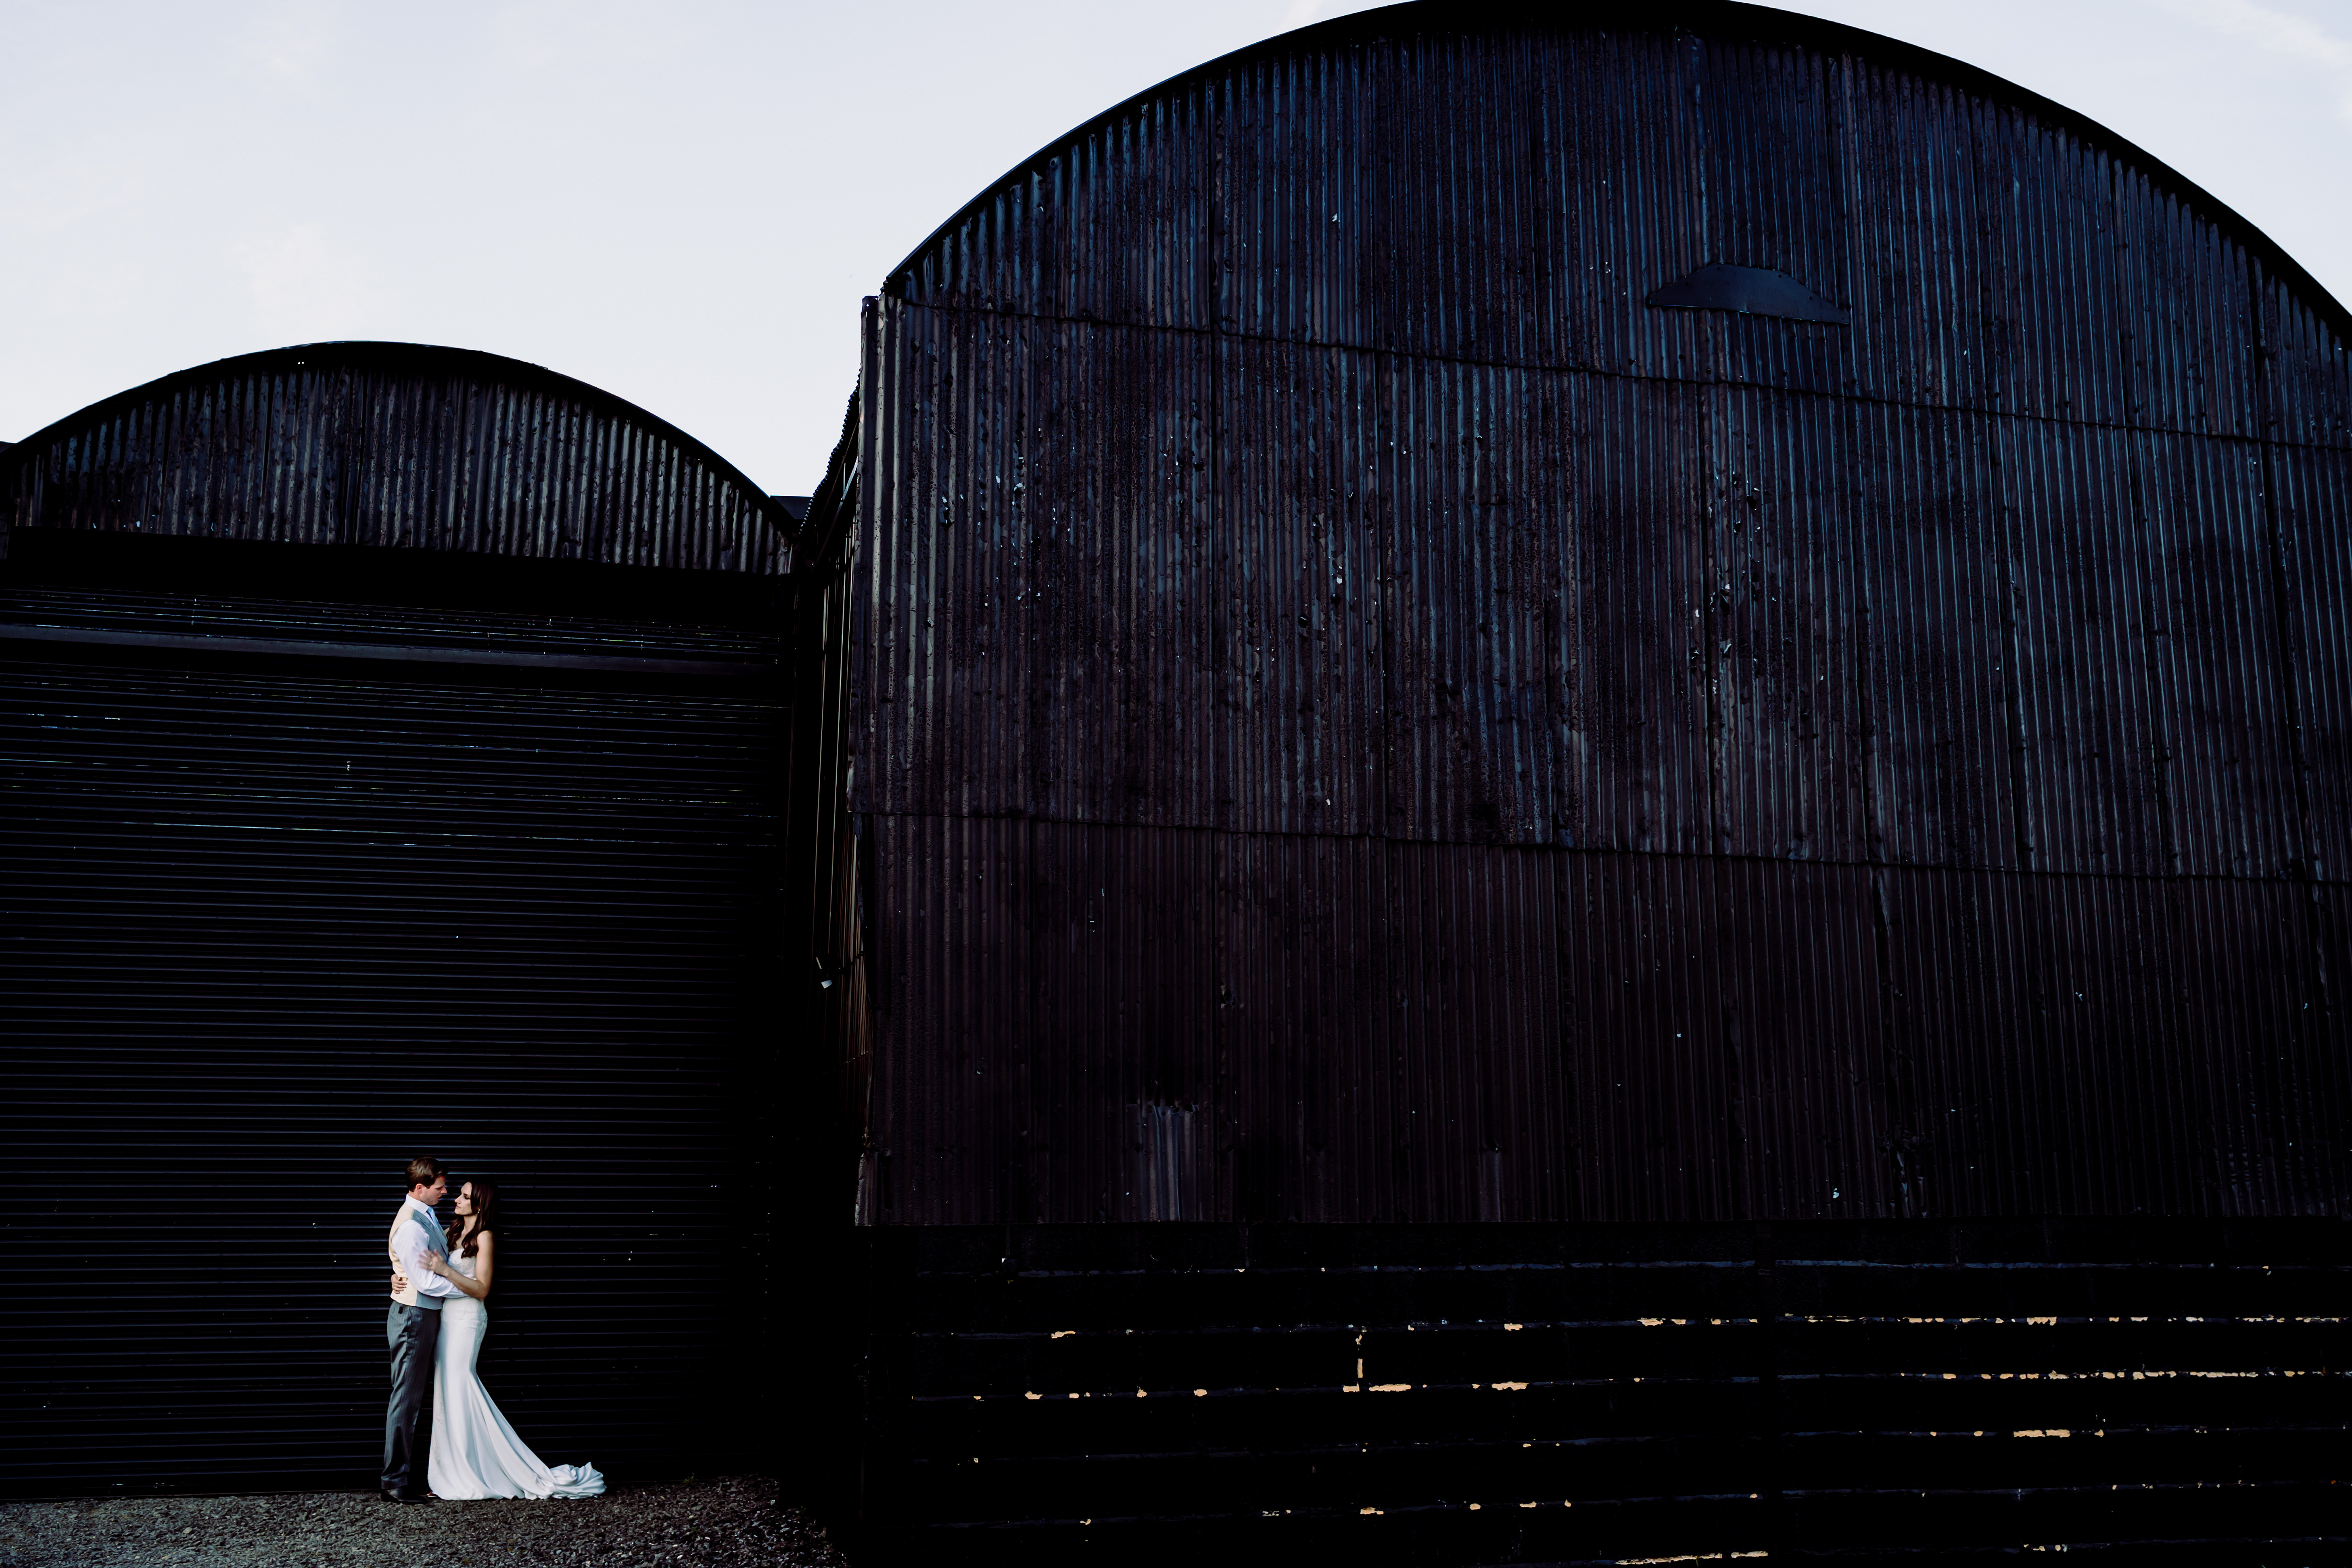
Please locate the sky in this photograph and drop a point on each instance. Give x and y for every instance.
(684, 203)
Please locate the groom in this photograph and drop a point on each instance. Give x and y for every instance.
(414, 1327)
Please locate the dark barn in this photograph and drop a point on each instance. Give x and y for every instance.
(1649, 707)
(392, 740)
(1537, 786)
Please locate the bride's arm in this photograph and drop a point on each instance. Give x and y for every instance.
(479, 1288)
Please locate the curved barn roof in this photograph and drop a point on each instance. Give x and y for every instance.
(408, 445)
(1123, 178)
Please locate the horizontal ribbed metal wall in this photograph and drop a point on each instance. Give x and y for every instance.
(363, 795)
(270, 932)
(401, 445)
(2152, 1391)
(1338, 665)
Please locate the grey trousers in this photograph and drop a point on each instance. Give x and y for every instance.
(413, 1331)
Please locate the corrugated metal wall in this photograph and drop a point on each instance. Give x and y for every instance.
(397, 444)
(270, 932)
(1339, 668)
(319, 855)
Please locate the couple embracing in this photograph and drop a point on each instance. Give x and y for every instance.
(441, 1276)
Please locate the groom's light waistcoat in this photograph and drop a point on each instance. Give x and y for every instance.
(423, 1290)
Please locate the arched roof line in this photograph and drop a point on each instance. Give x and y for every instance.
(1718, 18)
(427, 358)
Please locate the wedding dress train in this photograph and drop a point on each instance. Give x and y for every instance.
(475, 1454)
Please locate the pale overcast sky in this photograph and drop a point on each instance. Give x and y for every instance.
(684, 203)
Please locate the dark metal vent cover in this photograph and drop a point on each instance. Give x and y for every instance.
(1750, 291)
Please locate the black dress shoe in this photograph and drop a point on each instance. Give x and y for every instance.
(407, 1497)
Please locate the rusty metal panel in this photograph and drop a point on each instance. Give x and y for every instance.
(1654, 1098)
(1079, 1023)
(1802, 1019)
(1426, 225)
(2151, 722)
(400, 445)
(1388, 1030)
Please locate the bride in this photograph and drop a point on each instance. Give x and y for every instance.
(475, 1454)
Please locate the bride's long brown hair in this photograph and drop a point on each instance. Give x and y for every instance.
(485, 1217)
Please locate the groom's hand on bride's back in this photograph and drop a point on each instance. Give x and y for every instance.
(399, 1281)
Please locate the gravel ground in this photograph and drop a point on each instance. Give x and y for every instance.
(723, 1523)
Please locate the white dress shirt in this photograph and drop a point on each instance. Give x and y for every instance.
(415, 1232)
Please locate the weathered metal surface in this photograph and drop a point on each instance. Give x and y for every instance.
(1622, 744)
(395, 443)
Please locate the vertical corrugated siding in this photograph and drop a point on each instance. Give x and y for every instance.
(1785, 726)
(1081, 236)
(2189, 315)
(1774, 195)
(1304, 591)
(358, 446)
(2079, 588)
(2101, 1096)
(2313, 500)
(2305, 371)
(1363, 1029)
(1036, 983)
(1476, 994)
(2226, 747)
(1632, 664)
(1317, 1123)
(1615, 184)
(1722, 1020)
(1655, 762)
(1932, 666)
(1474, 498)
(1042, 576)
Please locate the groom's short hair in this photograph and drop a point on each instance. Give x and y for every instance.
(422, 1170)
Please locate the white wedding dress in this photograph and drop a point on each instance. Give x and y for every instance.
(475, 1454)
